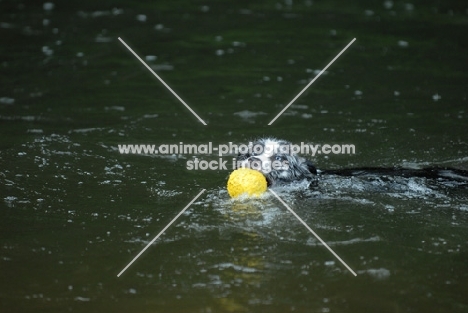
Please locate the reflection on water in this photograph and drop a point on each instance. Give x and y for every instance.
(74, 212)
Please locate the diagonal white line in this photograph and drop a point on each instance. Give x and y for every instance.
(162, 81)
(160, 233)
(312, 81)
(313, 233)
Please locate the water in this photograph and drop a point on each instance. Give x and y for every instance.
(74, 211)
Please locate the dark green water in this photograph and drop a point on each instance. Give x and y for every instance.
(74, 211)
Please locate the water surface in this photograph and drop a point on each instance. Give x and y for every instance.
(74, 211)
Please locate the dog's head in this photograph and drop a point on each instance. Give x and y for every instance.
(274, 159)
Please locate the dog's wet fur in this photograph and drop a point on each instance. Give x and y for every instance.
(293, 167)
(296, 168)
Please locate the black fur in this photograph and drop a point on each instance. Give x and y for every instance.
(299, 168)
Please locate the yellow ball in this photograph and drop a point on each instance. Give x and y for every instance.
(246, 180)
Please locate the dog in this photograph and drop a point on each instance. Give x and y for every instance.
(275, 160)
